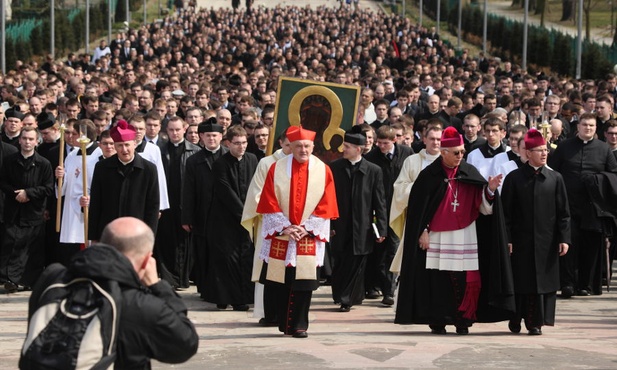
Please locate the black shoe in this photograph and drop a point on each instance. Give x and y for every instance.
(372, 294)
(438, 329)
(583, 293)
(267, 323)
(460, 330)
(515, 327)
(221, 306)
(10, 287)
(300, 334)
(535, 331)
(567, 292)
(387, 300)
(344, 308)
(240, 307)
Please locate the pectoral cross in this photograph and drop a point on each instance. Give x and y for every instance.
(455, 204)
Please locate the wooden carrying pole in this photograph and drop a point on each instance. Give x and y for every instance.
(60, 179)
(84, 177)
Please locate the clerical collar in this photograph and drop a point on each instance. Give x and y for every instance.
(213, 151)
(354, 162)
(22, 154)
(584, 141)
(534, 167)
(494, 147)
(125, 163)
(178, 144)
(471, 140)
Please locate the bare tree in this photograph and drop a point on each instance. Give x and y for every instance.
(588, 6)
(567, 10)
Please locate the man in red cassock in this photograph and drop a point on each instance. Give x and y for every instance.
(296, 226)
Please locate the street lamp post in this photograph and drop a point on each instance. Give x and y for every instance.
(485, 26)
(438, 15)
(52, 29)
(3, 36)
(460, 23)
(579, 40)
(525, 34)
(87, 26)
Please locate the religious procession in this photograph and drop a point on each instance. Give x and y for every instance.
(243, 154)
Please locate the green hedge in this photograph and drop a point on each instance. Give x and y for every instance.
(29, 38)
(545, 48)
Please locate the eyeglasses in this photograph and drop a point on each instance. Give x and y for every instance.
(457, 152)
(261, 135)
(611, 134)
(538, 150)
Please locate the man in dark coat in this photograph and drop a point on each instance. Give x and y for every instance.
(197, 194)
(172, 245)
(537, 217)
(26, 181)
(230, 249)
(576, 159)
(449, 275)
(154, 322)
(360, 198)
(122, 185)
(390, 157)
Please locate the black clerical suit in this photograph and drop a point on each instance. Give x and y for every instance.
(360, 197)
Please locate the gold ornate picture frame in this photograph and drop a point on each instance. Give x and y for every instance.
(327, 108)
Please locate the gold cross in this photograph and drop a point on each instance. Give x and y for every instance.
(306, 246)
(279, 249)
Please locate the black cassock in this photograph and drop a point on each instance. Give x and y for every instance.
(172, 247)
(119, 190)
(428, 296)
(359, 193)
(197, 192)
(230, 249)
(537, 218)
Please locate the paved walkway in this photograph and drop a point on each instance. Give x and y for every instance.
(585, 337)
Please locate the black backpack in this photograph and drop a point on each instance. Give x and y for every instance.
(74, 324)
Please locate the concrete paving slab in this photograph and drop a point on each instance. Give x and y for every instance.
(585, 337)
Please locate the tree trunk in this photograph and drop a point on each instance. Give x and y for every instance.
(587, 10)
(567, 10)
(540, 9)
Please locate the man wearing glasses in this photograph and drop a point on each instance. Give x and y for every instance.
(538, 223)
(449, 275)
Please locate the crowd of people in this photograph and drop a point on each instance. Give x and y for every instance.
(175, 116)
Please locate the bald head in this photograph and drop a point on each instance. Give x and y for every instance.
(130, 236)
